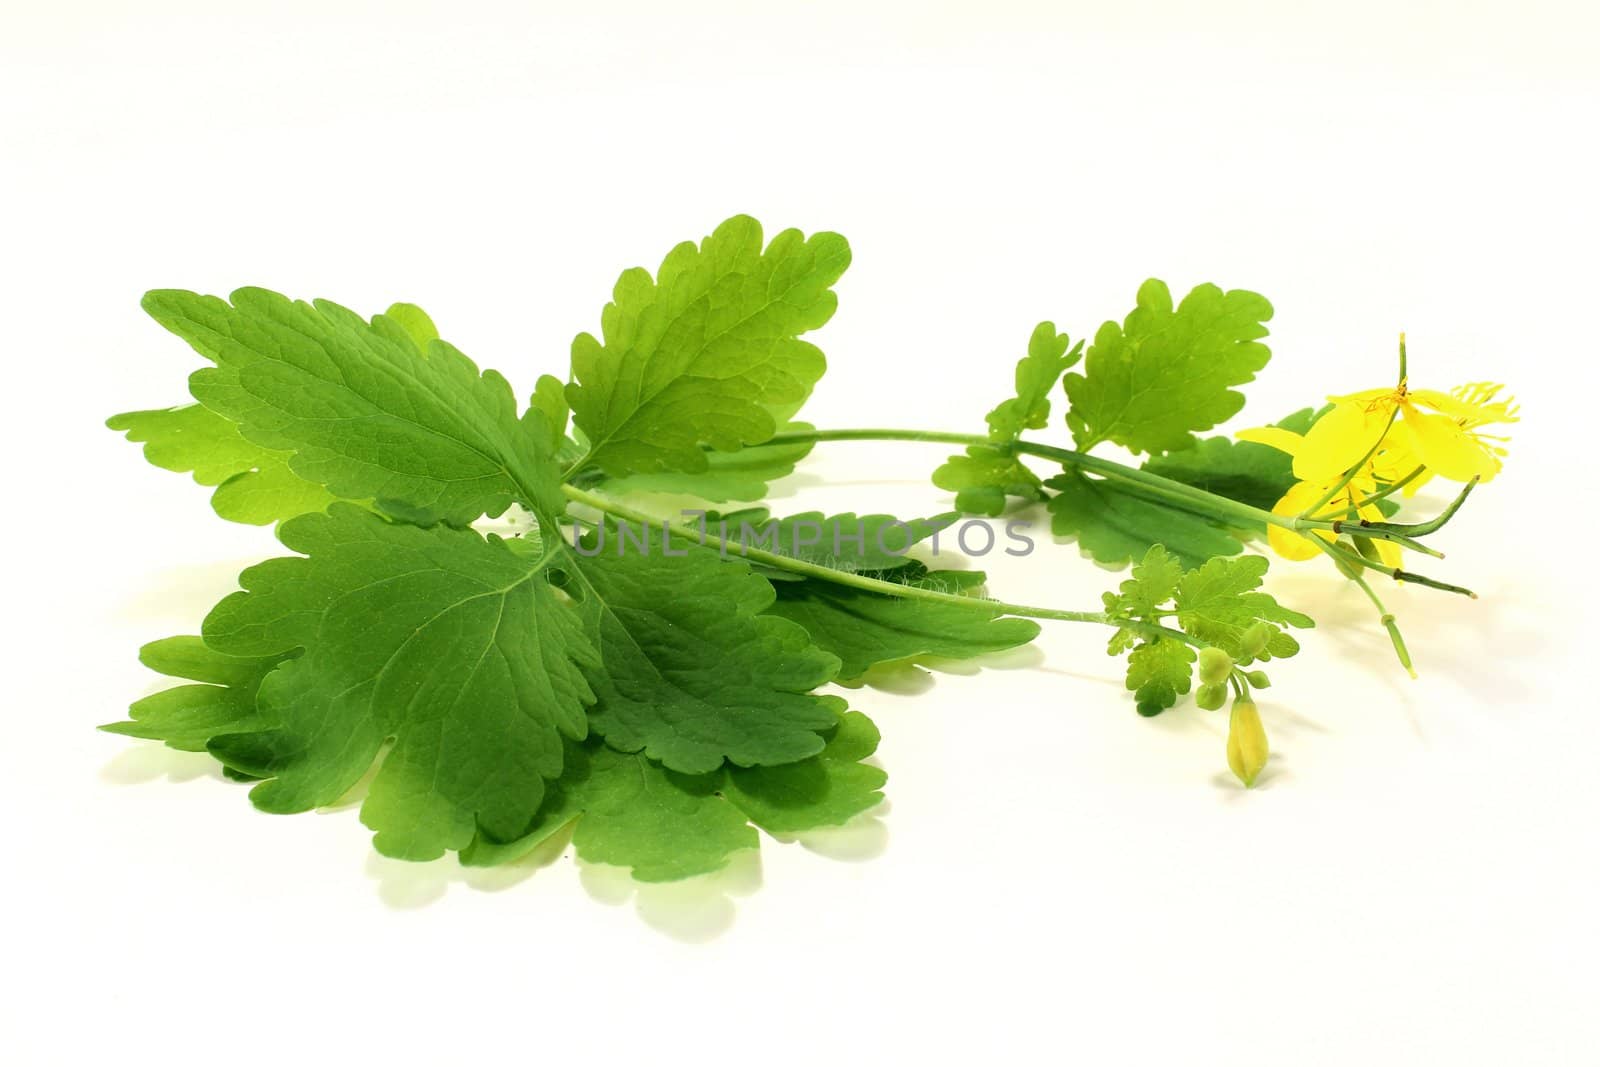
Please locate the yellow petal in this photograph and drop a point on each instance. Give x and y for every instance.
(1287, 543)
(1447, 449)
(1464, 411)
(1338, 441)
(1482, 395)
(1365, 398)
(1398, 458)
(1273, 437)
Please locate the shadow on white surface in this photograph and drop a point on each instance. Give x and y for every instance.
(912, 677)
(1111, 679)
(1272, 775)
(405, 884)
(865, 837)
(695, 910)
(185, 593)
(1285, 719)
(147, 761)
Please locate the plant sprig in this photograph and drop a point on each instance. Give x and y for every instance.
(664, 704)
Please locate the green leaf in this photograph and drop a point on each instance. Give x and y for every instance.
(1214, 604)
(1160, 667)
(254, 484)
(661, 825)
(1113, 526)
(1159, 672)
(1036, 376)
(864, 628)
(1165, 372)
(1153, 581)
(984, 478)
(1250, 473)
(694, 673)
(455, 648)
(742, 475)
(187, 716)
(1217, 603)
(829, 789)
(416, 325)
(550, 401)
(363, 411)
(631, 812)
(708, 351)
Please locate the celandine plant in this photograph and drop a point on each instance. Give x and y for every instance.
(664, 704)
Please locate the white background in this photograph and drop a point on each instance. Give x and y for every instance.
(1058, 879)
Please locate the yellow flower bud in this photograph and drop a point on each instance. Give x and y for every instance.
(1247, 742)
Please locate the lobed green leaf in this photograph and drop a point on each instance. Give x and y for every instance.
(706, 353)
(254, 485)
(692, 672)
(364, 411)
(1164, 372)
(631, 812)
(454, 647)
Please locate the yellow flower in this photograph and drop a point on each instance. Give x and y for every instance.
(1394, 434)
(1436, 431)
(1319, 472)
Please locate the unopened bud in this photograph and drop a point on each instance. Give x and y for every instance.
(1258, 679)
(1254, 639)
(1247, 742)
(1215, 666)
(1211, 697)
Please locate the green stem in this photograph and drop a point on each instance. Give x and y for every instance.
(1421, 529)
(1386, 618)
(860, 581)
(1164, 488)
(1153, 485)
(1357, 562)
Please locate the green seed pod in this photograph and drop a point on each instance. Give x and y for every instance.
(1215, 666)
(1211, 697)
(1254, 639)
(1259, 679)
(1247, 742)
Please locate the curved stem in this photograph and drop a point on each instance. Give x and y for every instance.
(861, 581)
(1422, 528)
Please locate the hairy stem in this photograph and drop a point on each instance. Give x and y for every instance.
(859, 581)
